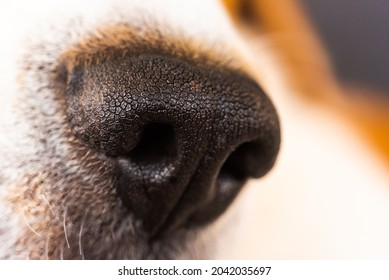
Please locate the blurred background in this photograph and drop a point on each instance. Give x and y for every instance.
(356, 34)
(328, 196)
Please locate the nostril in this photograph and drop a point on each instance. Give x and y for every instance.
(157, 143)
(247, 160)
(166, 155)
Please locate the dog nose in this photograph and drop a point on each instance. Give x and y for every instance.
(184, 136)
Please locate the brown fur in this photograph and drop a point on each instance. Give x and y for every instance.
(118, 41)
(60, 198)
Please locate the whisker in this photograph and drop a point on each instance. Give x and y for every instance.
(28, 225)
(48, 203)
(80, 240)
(64, 228)
(61, 251)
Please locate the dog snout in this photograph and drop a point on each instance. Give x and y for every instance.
(184, 137)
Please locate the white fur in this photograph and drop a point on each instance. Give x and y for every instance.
(328, 195)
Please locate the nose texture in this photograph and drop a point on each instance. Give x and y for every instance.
(184, 137)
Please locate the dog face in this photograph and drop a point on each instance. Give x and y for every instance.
(127, 129)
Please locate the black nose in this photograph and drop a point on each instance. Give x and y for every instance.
(185, 137)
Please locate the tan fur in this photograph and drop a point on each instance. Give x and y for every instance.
(118, 40)
(327, 196)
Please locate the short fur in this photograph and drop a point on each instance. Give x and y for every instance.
(326, 198)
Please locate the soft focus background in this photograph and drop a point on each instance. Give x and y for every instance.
(328, 195)
(356, 34)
